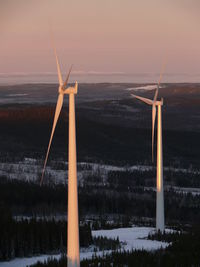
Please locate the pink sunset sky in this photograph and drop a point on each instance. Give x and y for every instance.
(100, 36)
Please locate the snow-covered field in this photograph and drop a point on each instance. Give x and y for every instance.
(130, 238)
(133, 238)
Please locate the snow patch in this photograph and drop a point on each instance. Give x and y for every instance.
(133, 238)
(16, 95)
(145, 88)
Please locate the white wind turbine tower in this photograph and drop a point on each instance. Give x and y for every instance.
(157, 105)
(73, 254)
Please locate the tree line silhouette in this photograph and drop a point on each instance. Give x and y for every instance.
(29, 199)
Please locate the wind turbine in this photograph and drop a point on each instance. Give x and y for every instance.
(73, 253)
(157, 105)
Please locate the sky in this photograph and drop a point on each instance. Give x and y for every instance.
(108, 39)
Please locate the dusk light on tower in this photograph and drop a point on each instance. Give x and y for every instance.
(73, 254)
(157, 105)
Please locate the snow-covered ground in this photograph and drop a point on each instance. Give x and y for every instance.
(30, 170)
(178, 190)
(144, 87)
(133, 238)
(23, 262)
(187, 190)
(130, 238)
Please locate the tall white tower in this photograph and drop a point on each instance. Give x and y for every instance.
(73, 254)
(157, 105)
(160, 221)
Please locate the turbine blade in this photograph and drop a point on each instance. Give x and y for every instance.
(153, 127)
(58, 69)
(145, 100)
(156, 95)
(56, 116)
(55, 52)
(66, 81)
(159, 81)
(161, 72)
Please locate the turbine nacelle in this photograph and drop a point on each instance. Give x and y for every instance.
(71, 89)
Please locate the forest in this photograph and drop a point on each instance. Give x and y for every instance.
(29, 237)
(39, 230)
(97, 140)
(29, 199)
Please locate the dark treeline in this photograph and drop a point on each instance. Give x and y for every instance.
(140, 203)
(183, 252)
(24, 132)
(27, 198)
(148, 178)
(103, 243)
(29, 237)
(26, 238)
(167, 236)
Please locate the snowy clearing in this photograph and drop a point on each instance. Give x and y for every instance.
(131, 239)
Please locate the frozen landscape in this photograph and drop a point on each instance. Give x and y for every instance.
(117, 180)
(134, 238)
(30, 170)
